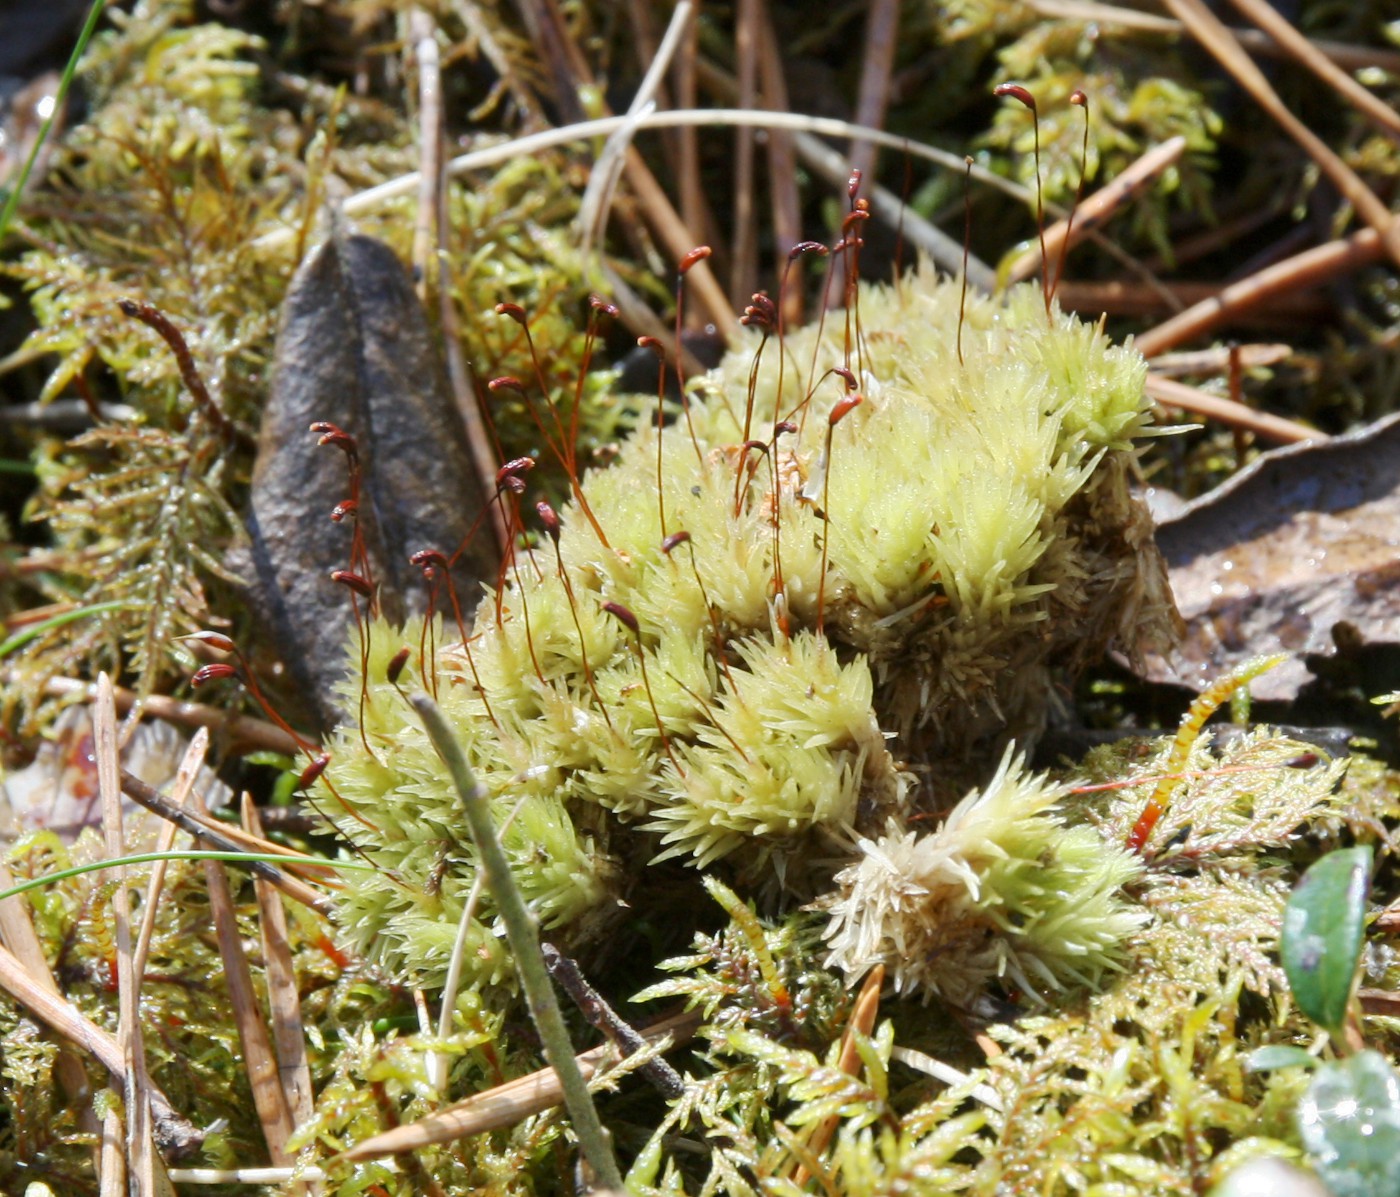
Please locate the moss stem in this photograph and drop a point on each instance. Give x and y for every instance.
(522, 933)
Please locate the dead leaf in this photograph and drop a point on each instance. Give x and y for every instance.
(1303, 539)
(355, 349)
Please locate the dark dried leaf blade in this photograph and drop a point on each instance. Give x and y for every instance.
(355, 348)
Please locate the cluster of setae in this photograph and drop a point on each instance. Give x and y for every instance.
(775, 640)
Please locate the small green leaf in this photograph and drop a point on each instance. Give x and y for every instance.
(1276, 1056)
(1322, 929)
(1350, 1124)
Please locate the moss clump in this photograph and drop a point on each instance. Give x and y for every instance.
(637, 696)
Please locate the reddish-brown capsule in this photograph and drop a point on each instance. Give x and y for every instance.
(514, 468)
(549, 520)
(1078, 99)
(330, 434)
(698, 254)
(208, 673)
(653, 344)
(599, 304)
(675, 540)
(506, 382)
(783, 428)
(843, 407)
(400, 659)
(356, 583)
(846, 376)
(853, 184)
(513, 310)
(428, 559)
(761, 312)
(624, 615)
(341, 510)
(308, 776)
(807, 247)
(215, 640)
(1016, 92)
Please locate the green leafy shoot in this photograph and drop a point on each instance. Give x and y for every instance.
(1323, 925)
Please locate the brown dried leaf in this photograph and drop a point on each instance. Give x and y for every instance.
(1303, 539)
(355, 349)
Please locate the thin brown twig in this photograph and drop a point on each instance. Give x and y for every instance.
(1368, 103)
(1098, 208)
(244, 733)
(1213, 34)
(565, 65)
(1236, 415)
(1117, 297)
(1290, 276)
(221, 841)
(695, 207)
(431, 233)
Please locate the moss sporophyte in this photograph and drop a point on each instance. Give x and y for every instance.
(774, 641)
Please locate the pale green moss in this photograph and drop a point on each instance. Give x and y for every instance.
(976, 531)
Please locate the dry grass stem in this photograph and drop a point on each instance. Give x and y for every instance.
(112, 1168)
(137, 1082)
(1348, 57)
(947, 1074)
(173, 1132)
(782, 171)
(283, 999)
(273, 1111)
(507, 1104)
(185, 776)
(372, 198)
(1236, 415)
(876, 72)
(1212, 33)
(422, 34)
(1194, 363)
